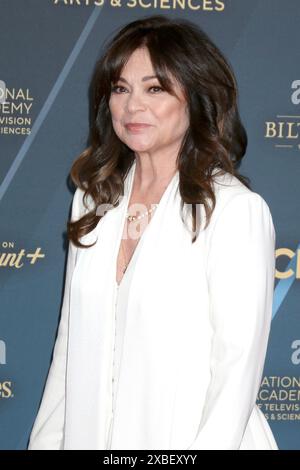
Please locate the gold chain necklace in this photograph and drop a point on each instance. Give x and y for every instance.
(143, 214)
(132, 218)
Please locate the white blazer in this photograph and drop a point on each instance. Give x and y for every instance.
(197, 328)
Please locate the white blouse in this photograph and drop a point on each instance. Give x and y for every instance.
(121, 300)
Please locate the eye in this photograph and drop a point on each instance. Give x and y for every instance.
(117, 88)
(157, 87)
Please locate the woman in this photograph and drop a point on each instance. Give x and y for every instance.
(164, 325)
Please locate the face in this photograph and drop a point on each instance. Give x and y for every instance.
(141, 100)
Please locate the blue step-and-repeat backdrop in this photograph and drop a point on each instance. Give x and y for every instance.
(48, 49)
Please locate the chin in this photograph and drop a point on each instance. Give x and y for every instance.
(139, 147)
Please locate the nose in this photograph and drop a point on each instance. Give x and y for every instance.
(135, 101)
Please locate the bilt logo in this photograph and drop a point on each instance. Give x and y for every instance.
(285, 128)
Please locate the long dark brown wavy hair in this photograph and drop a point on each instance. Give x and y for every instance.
(215, 138)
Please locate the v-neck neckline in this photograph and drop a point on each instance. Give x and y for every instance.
(130, 261)
(128, 196)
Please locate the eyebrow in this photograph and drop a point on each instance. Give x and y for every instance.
(147, 77)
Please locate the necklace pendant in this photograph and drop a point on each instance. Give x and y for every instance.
(131, 218)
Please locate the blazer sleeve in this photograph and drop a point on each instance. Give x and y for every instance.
(47, 431)
(241, 273)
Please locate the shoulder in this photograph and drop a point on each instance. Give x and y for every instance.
(233, 196)
(239, 211)
(241, 229)
(81, 205)
(227, 187)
